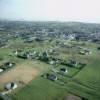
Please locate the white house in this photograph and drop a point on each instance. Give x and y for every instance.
(1, 70)
(63, 70)
(11, 86)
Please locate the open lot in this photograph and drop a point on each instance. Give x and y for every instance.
(21, 73)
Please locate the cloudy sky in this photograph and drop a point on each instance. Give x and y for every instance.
(52, 10)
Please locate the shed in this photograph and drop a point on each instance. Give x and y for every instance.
(9, 64)
(1, 70)
(52, 62)
(64, 70)
(73, 63)
(52, 77)
(10, 86)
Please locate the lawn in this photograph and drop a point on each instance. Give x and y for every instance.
(87, 82)
(41, 89)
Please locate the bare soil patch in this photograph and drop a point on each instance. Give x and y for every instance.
(73, 97)
(21, 73)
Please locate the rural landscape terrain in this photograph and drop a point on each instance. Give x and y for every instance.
(49, 60)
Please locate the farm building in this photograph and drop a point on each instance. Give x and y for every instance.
(44, 57)
(85, 52)
(16, 52)
(50, 50)
(52, 77)
(22, 55)
(45, 54)
(11, 86)
(82, 52)
(7, 65)
(1, 70)
(52, 62)
(72, 63)
(63, 70)
(88, 51)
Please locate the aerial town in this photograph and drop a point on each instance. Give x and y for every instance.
(49, 60)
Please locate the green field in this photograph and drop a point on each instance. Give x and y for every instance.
(84, 83)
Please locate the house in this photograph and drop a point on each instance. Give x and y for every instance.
(31, 54)
(11, 86)
(1, 70)
(72, 63)
(85, 52)
(51, 77)
(82, 52)
(50, 50)
(71, 37)
(22, 56)
(9, 64)
(44, 57)
(28, 40)
(63, 70)
(52, 62)
(45, 54)
(35, 54)
(16, 52)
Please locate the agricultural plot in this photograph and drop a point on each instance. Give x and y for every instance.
(52, 76)
(21, 74)
(87, 80)
(41, 89)
(70, 72)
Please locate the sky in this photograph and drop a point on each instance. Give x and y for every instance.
(51, 10)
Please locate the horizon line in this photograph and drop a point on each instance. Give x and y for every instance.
(59, 21)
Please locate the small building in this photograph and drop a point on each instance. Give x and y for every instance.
(85, 52)
(1, 70)
(82, 52)
(72, 63)
(16, 52)
(71, 37)
(52, 77)
(63, 70)
(9, 64)
(51, 51)
(44, 57)
(52, 62)
(11, 86)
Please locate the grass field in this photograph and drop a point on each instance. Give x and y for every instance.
(87, 82)
(41, 89)
(84, 83)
